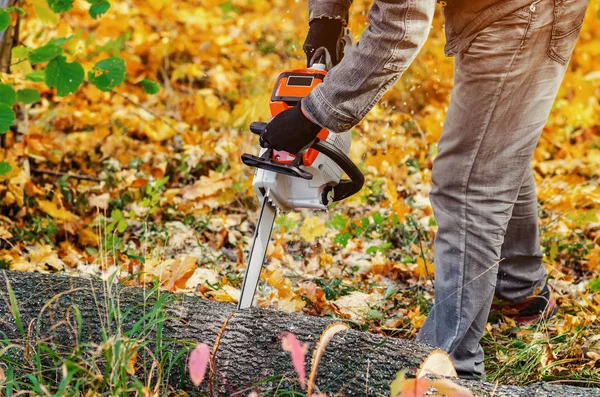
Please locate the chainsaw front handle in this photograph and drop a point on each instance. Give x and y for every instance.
(346, 187)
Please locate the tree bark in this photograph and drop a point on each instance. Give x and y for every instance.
(249, 351)
(8, 39)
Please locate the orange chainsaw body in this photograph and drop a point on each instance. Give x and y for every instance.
(291, 86)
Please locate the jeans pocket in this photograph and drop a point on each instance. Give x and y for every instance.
(568, 19)
(505, 36)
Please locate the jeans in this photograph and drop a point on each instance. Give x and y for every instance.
(483, 194)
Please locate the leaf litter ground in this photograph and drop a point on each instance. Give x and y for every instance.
(152, 185)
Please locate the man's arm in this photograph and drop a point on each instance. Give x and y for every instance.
(397, 30)
(334, 9)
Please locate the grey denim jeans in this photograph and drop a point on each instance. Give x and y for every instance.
(483, 194)
(508, 68)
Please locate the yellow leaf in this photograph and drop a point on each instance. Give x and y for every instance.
(291, 305)
(416, 318)
(51, 209)
(356, 305)
(312, 228)
(159, 131)
(424, 269)
(207, 186)
(222, 295)
(44, 13)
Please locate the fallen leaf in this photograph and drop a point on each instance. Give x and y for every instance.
(99, 201)
(414, 387)
(180, 271)
(51, 209)
(297, 351)
(312, 228)
(198, 362)
(449, 388)
(356, 305)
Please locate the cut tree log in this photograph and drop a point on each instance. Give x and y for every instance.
(249, 354)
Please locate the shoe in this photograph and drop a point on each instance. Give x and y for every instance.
(539, 307)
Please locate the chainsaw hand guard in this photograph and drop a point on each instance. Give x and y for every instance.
(345, 188)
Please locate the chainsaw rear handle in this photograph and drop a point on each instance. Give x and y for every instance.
(346, 187)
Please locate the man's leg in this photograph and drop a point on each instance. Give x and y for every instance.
(505, 85)
(522, 273)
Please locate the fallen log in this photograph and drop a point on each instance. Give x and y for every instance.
(246, 345)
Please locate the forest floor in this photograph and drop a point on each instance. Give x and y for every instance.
(152, 186)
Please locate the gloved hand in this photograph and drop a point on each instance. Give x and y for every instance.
(289, 131)
(323, 32)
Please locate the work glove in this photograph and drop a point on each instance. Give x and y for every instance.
(324, 32)
(290, 131)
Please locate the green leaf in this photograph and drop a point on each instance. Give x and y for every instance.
(60, 5)
(108, 73)
(150, 87)
(116, 215)
(594, 285)
(122, 225)
(390, 291)
(4, 20)
(39, 76)
(378, 248)
(378, 218)
(5, 168)
(20, 52)
(373, 314)
(66, 77)
(7, 117)
(287, 222)
(45, 53)
(342, 239)
(396, 385)
(98, 8)
(59, 41)
(338, 221)
(28, 95)
(7, 94)
(228, 7)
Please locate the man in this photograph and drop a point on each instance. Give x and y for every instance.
(510, 58)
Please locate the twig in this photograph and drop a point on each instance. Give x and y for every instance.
(59, 173)
(580, 381)
(416, 225)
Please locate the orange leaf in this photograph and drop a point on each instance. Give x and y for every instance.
(181, 270)
(414, 387)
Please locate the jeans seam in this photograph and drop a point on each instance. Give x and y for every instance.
(407, 20)
(466, 189)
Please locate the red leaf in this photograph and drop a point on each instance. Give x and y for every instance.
(198, 362)
(290, 344)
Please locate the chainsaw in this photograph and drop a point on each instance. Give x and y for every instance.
(283, 182)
